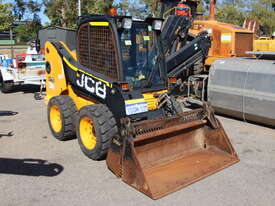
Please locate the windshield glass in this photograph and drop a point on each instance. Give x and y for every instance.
(139, 56)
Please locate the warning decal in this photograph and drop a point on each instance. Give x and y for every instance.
(226, 38)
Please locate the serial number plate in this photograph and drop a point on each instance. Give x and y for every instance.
(136, 108)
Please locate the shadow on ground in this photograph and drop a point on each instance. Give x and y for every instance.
(24, 88)
(8, 113)
(9, 134)
(29, 167)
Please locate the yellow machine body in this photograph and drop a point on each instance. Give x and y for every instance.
(157, 150)
(264, 44)
(56, 82)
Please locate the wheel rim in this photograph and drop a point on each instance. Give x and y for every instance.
(55, 118)
(87, 133)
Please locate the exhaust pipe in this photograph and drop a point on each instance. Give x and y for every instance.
(212, 10)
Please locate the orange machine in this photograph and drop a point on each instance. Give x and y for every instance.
(228, 40)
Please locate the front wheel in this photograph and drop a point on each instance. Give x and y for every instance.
(95, 128)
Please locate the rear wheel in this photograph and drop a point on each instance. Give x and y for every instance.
(1, 78)
(61, 117)
(95, 128)
(7, 87)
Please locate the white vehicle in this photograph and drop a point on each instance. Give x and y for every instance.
(24, 69)
(2, 57)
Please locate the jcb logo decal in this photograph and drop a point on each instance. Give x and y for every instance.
(91, 85)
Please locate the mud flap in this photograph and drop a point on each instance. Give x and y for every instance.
(160, 156)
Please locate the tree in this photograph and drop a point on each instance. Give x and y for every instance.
(235, 12)
(23, 34)
(34, 7)
(234, 3)
(19, 9)
(148, 6)
(61, 13)
(64, 12)
(5, 15)
(138, 9)
(123, 7)
(203, 6)
(263, 11)
(27, 31)
(30, 8)
(230, 14)
(97, 6)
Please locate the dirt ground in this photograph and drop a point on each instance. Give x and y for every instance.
(36, 169)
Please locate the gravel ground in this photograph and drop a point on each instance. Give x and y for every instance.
(36, 169)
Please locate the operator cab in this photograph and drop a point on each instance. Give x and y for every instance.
(138, 57)
(123, 49)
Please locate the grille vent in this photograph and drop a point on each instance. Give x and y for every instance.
(97, 50)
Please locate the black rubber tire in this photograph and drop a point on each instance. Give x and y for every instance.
(68, 112)
(1, 78)
(7, 87)
(105, 128)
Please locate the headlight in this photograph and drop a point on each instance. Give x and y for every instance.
(127, 23)
(157, 24)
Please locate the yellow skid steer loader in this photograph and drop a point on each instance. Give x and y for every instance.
(108, 93)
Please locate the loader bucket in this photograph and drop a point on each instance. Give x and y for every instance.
(167, 154)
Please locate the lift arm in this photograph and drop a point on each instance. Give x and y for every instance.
(187, 56)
